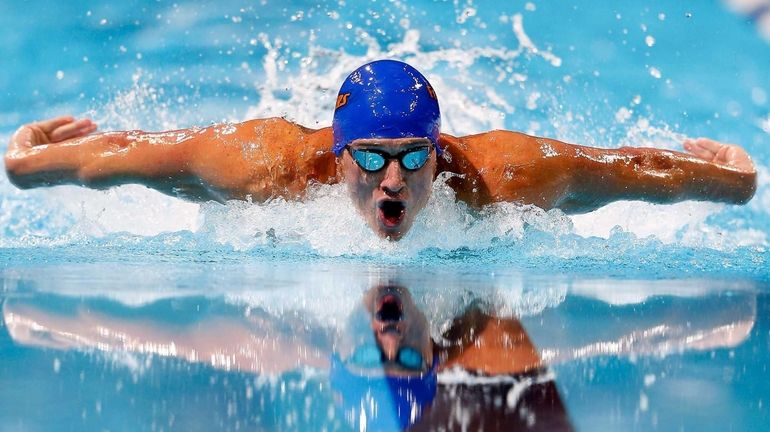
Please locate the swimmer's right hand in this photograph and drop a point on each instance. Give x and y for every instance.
(29, 140)
(51, 131)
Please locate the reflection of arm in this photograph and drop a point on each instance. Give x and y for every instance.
(257, 343)
(489, 345)
(582, 328)
(261, 158)
(510, 166)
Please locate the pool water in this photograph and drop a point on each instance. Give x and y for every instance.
(645, 317)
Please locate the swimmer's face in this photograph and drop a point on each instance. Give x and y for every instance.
(399, 330)
(390, 198)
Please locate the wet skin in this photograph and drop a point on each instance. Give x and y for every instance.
(389, 199)
(263, 159)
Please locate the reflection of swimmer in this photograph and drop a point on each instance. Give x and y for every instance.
(388, 371)
(385, 144)
(385, 370)
(481, 372)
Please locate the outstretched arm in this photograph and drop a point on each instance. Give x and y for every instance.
(509, 166)
(258, 158)
(224, 337)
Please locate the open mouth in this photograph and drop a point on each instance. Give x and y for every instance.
(391, 212)
(389, 309)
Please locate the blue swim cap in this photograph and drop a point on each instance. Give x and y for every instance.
(385, 99)
(385, 403)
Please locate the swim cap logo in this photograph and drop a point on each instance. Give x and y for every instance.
(431, 93)
(342, 100)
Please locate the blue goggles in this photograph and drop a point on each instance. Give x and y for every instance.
(371, 356)
(371, 160)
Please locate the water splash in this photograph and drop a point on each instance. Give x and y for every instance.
(302, 89)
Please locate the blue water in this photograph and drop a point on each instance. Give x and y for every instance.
(694, 276)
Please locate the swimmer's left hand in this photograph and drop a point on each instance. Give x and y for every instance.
(724, 154)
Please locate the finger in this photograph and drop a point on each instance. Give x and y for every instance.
(22, 138)
(695, 148)
(50, 125)
(722, 155)
(709, 144)
(72, 130)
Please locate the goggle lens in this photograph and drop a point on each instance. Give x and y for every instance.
(374, 160)
(415, 160)
(368, 160)
(370, 357)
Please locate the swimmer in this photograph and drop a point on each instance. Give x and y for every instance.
(385, 144)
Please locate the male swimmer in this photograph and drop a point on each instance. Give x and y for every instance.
(385, 145)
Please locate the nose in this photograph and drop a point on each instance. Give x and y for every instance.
(389, 343)
(393, 182)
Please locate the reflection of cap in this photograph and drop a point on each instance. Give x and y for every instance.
(382, 402)
(385, 99)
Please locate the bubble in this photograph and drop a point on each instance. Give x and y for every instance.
(468, 12)
(758, 96)
(655, 72)
(623, 114)
(59, 74)
(649, 40)
(649, 380)
(644, 402)
(532, 100)
(734, 108)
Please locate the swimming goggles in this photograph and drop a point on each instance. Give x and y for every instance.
(374, 160)
(371, 356)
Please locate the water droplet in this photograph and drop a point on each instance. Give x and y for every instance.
(758, 96)
(649, 40)
(465, 14)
